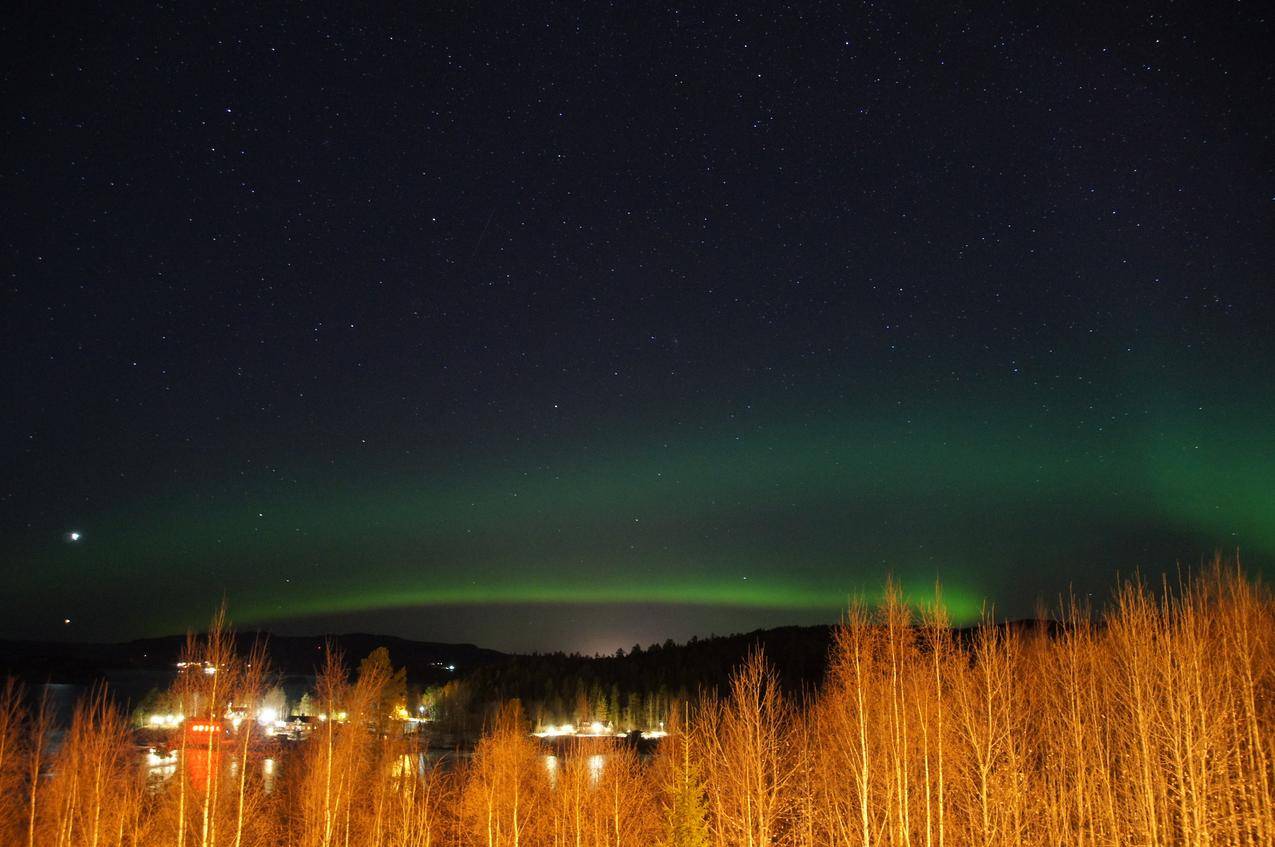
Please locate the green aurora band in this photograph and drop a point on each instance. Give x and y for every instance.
(1000, 510)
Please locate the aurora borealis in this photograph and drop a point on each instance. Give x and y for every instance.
(545, 331)
(779, 524)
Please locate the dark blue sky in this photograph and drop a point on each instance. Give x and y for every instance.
(578, 325)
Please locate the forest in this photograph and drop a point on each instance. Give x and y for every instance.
(629, 691)
(1150, 720)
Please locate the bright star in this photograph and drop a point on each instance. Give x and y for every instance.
(73, 536)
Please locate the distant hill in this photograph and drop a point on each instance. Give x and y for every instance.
(59, 661)
(553, 686)
(636, 687)
(799, 655)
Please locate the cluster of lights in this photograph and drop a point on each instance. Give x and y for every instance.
(553, 731)
(597, 729)
(268, 717)
(271, 721)
(165, 721)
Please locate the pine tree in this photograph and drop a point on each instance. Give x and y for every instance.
(686, 825)
(687, 822)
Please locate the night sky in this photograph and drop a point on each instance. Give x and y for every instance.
(574, 326)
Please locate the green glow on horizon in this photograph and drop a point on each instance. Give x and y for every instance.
(962, 606)
(1005, 508)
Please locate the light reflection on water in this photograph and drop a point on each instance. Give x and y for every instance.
(596, 763)
(161, 767)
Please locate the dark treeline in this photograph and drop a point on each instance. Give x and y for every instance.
(634, 690)
(631, 690)
(459, 685)
(86, 663)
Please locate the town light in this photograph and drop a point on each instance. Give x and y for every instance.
(165, 721)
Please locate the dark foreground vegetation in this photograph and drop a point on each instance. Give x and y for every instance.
(1150, 723)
